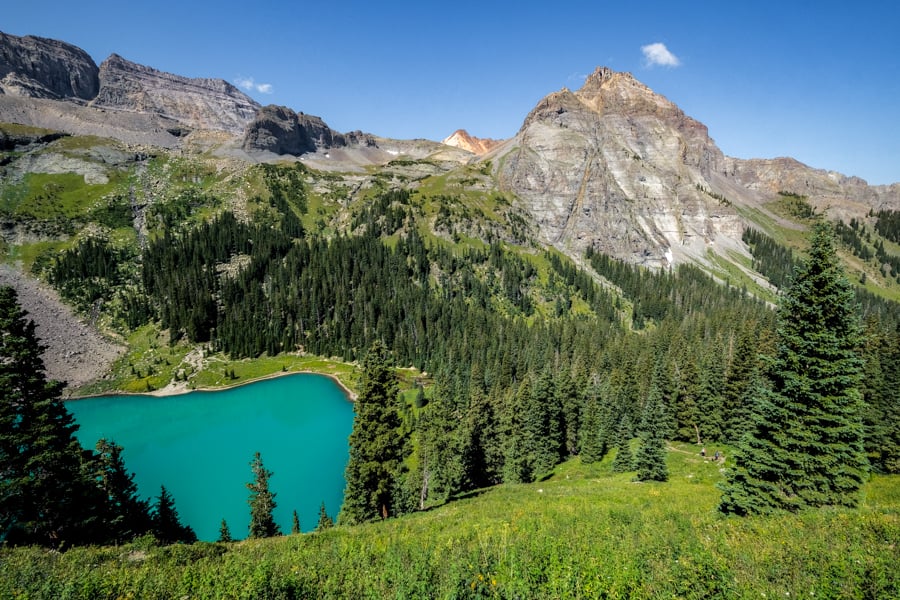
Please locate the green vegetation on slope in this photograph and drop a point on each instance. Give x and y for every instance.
(584, 533)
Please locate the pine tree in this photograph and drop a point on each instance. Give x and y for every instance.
(518, 456)
(45, 496)
(805, 446)
(224, 532)
(624, 460)
(741, 371)
(167, 526)
(295, 523)
(650, 460)
(261, 501)
(126, 514)
(325, 521)
(709, 402)
(591, 427)
(375, 443)
(570, 401)
(441, 442)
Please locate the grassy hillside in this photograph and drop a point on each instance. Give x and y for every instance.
(582, 533)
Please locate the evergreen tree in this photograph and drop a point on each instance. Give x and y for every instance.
(126, 514)
(805, 446)
(224, 532)
(483, 456)
(325, 521)
(295, 523)
(46, 497)
(712, 379)
(650, 460)
(741, 371)
(591, 427)
(517, 448)
(624, 460)
(544, 425)
(570, 401)
(261, 501)
(442, 443)
(167, 527)
(375, 443)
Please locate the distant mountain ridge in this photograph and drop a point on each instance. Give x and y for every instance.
(48, 69)
(201, 103)
(461, 139)
(612, 166)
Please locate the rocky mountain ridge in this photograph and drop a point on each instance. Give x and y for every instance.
(461, 139)
(619, 168)
(199, 103)
(280, 130)
(38, 67)
(612, 165)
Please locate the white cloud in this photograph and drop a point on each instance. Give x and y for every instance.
(658, 54)
(247, 83)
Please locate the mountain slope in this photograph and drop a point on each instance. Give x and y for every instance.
(619, 168)
(616, 167)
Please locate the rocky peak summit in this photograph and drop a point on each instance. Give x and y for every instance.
(619, 168)
(462, 140)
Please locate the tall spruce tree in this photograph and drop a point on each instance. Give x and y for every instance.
(325, 521)
(261, 501)
(167, 526)
(126, 515)
(650, 459)
(624, 460)
(46, 496)
(591, 445)
(224, 532)
(805, 445)
(376, 445)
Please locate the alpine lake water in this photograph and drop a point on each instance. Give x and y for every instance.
(200, 444)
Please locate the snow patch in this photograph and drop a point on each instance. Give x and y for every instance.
(669, 256)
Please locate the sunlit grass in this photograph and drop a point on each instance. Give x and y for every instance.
(583, 533)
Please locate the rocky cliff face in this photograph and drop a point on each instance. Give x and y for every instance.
(199, 103)
(40, 68)
(827, 190)
(619, 168)
(461, 139)
(280, 130)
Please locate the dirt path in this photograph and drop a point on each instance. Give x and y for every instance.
(76, 352)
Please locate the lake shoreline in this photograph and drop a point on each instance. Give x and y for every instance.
(181, 388)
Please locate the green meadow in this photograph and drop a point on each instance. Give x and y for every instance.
(584, 532)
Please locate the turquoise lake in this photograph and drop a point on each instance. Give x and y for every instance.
(199, 445)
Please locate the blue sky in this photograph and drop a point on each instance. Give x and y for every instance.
(818, 81)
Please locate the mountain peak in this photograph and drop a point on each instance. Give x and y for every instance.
(461, 139)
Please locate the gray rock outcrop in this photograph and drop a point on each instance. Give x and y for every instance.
(200, 103)
(280, 130)
(619, 168)
(37, 67)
